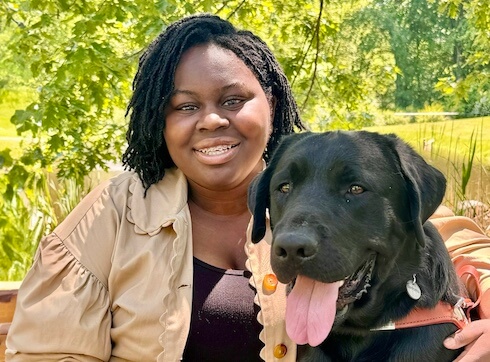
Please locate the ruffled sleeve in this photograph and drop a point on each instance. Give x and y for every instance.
(63, 306)
(467, 245)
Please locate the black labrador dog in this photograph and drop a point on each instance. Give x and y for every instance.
(348, 213)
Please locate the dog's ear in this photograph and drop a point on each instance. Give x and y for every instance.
(258, 203)
(426, 186)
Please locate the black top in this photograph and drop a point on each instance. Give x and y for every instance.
(224, 324)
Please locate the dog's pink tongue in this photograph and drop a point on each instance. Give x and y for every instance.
(310, 310)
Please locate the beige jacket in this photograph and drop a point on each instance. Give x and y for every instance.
(114, 280)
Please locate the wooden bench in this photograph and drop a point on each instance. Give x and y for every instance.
(8, 298)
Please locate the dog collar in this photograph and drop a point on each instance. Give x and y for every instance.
(442, 313)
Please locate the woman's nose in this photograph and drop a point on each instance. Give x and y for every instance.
(212, 120)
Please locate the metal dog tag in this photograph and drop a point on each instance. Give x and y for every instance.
(413, 289)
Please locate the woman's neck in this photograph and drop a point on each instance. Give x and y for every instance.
(219, 224)
(220, 203)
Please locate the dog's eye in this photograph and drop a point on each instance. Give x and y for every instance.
(356, 190)
(285, 188)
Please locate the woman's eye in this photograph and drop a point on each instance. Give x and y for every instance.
(187, 107)
(356, 190)
(232, 102)
(285, 188)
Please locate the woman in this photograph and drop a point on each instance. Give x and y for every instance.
(156, 264)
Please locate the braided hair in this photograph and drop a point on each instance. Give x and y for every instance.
(147, 152)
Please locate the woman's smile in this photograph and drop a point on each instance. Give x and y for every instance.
(215, 151)
(216, 155)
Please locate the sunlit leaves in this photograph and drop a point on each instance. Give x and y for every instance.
(470, 91)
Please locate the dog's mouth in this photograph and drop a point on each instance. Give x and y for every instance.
(313, 307)
(355, 285)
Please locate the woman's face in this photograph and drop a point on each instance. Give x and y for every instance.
(218, 120)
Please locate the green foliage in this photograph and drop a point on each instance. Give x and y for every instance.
(21, 227)
(471, 90)
(387, 118)
(25, 216)
(29, 213)
(422, 41)
(81, 82)
(432, 108)
(467, 166)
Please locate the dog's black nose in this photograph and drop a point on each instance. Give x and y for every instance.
(294, 247)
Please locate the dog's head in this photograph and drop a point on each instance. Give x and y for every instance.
(342, 206)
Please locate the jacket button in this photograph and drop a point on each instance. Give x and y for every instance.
(280, 351)
(269, 284)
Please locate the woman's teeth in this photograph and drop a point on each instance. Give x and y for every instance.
(218, 150)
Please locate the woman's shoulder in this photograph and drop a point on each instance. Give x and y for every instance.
(97, 202)
(124, 198)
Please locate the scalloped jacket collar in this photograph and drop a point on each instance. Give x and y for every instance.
(163, 201)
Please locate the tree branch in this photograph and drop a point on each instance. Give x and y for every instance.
(317, 53)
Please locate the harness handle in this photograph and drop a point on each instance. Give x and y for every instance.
(471, 273)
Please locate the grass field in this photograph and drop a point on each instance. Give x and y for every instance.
(449, 151)
(451, 139)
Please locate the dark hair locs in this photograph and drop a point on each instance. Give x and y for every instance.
(147, 152)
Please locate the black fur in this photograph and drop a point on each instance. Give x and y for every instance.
(329, 228)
